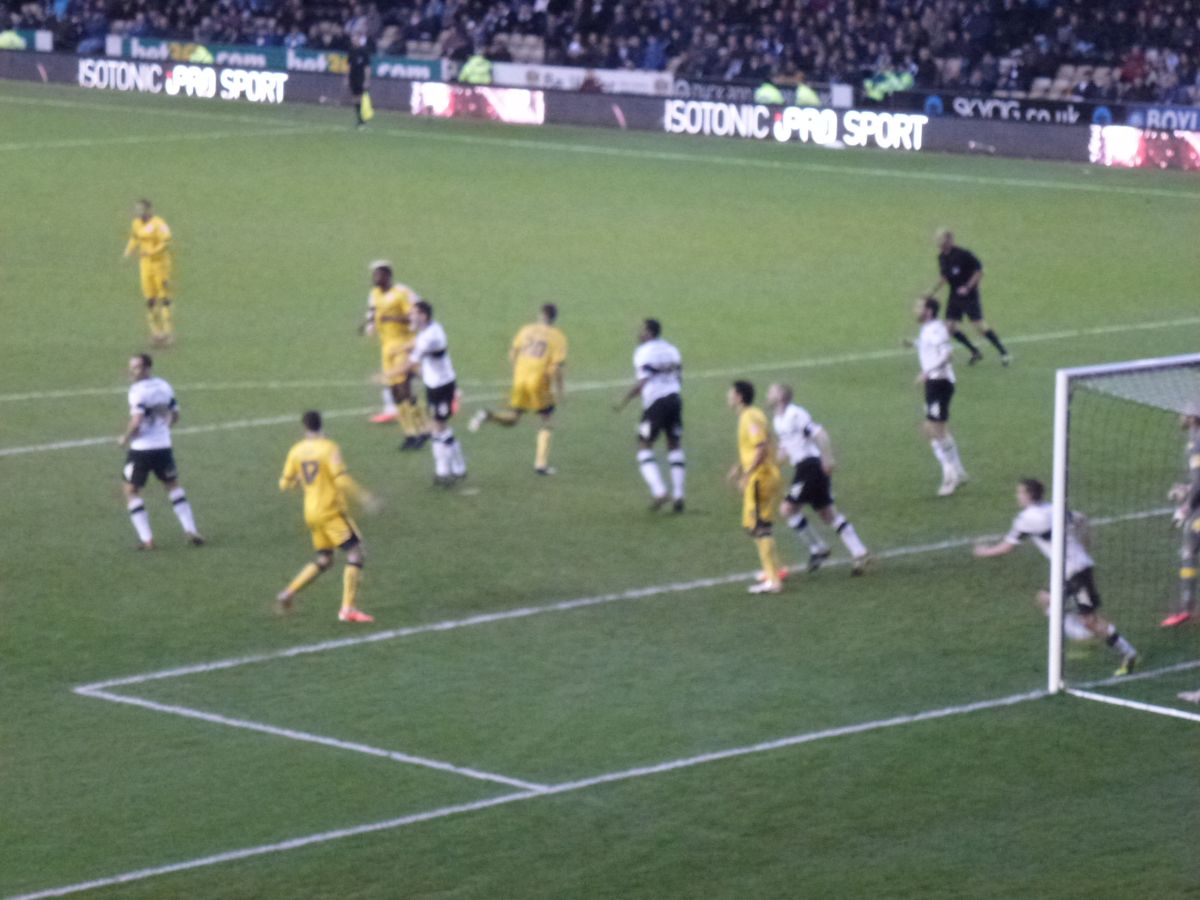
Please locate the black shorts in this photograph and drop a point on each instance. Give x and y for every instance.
(140, 463)
(440, 401)
(357, 85)
(958, 306)
(938, 394)
(663, 416)
(1080, 590)
(811, 485)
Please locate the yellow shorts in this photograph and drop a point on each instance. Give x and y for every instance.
(760, 499)
(393, 361)
(156, 278)
(531, 396)
(334, 533)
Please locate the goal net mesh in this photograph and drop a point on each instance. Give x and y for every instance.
(1125, 450)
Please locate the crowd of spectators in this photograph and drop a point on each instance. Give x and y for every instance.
(1149, 50)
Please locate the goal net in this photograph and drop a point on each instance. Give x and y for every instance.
(1118, 449)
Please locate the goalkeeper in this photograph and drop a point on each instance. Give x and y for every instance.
(1187, 517)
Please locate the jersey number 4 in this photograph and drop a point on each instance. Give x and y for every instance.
(310, 470)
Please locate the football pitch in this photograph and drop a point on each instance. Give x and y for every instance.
(565, 695)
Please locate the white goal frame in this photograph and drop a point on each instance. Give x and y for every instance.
(1063, 381)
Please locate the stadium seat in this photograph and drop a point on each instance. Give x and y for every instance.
(1040, 88)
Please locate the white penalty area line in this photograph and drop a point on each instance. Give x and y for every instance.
(814, 362)
(524, 612)
(99, 690)
(580, 387)
(551, 790)
(309, 738)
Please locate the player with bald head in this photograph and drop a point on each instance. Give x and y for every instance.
(806, 445)
(962, 270)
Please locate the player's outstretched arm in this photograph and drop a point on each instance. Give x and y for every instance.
(1000, 548)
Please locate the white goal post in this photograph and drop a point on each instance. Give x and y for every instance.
(1169, 384)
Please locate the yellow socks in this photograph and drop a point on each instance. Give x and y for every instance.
(404, 415)
(769, 558)
(542, 459)
(351, 576)
(165, 323)
(305, 578)
(420, 421)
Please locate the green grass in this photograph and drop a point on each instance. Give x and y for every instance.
(762, 259)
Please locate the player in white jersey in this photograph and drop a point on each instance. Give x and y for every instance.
(152, 412)
(658, 369)
(937, 376)
(1035, 521)
(430, 357)
(805, 444)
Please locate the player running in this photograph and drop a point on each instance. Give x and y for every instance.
(658, 368)
(805, 444)
(538, 354)
(315, 465)
(152, 413)
(1034, 521)
(150, 236)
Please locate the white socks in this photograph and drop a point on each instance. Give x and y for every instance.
(448, 459)
(140, 519)
(649, 469)
(389, 402)
(678, 467)
(183, 510)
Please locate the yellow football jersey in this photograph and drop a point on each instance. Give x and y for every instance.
(392, 309)
(753, 431)
(538, 350)
(316, 465)
(150, 238)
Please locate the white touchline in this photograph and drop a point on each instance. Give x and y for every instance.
(308, 737)
(536, 142)
(1136, 704)
(579, 387)
(552, 790)
(67, 143)
(792, 165)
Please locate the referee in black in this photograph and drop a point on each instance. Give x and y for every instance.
(962, 270)
(359, 60)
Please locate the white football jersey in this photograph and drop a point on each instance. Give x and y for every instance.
(432, 351)
(659, 365)
(934, 350)
(154, 399)
(796, 429)
(1034, 522)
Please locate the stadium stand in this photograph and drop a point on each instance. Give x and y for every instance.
(1121, 50)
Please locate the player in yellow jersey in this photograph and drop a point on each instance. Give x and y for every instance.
(150, 236)
(538, 354)
(757, 474)
(389, 307)
(315, 465)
